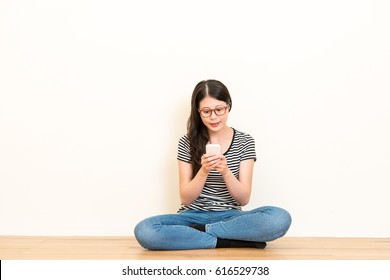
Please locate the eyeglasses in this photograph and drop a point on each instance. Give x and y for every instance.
(219, 111)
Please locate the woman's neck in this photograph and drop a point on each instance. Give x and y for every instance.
(221, 136)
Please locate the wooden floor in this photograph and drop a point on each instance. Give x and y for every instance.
(127, 248)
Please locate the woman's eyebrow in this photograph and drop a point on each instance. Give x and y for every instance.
(209, 107)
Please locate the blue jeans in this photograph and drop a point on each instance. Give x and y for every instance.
(173, 231)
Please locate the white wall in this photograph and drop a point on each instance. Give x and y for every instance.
(95, 94)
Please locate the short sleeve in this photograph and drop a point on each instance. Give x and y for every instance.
(249, 151)
(183, 153)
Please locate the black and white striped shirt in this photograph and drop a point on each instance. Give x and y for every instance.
(215, 195)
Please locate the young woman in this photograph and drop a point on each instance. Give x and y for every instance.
(213, 187)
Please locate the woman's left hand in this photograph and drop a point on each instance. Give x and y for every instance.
(222, 167)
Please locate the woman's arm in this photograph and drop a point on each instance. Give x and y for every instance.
(240, 189)
(190, 188)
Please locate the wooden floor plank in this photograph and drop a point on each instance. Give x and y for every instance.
(127, 248)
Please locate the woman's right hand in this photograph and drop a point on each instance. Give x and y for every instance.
(209, 161)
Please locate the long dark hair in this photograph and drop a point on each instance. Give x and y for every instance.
(196, 130)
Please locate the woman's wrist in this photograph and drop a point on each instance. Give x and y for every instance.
(227, 174)
(203, 172)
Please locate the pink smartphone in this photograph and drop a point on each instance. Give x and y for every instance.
(214, 149)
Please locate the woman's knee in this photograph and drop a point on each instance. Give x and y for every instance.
(282, 219)
(146, 233)
(279, 219)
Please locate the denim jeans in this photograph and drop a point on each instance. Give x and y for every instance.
(173, 231)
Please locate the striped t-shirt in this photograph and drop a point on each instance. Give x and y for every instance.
(215, 195)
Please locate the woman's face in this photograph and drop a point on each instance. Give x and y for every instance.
(214, 113)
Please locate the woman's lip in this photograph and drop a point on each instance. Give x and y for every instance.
(214, 124)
